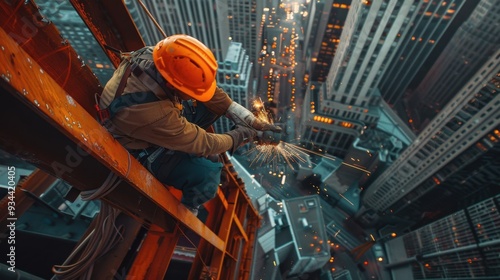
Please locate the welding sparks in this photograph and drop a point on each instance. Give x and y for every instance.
(275, 154)
(331, 158)
(283, 152)
(289, 153)
(260, 111)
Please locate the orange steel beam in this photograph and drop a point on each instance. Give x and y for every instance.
(247, 254)
(24, 23)
(154, 255)
(225, 230)
(36, 184)
(111, 24)
(216, 214)
(225, 220)
(71, 145)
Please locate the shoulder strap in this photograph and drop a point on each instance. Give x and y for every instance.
(150, 83)
(123, 82)
(146, 73)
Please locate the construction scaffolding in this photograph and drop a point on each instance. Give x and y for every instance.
(49, 120)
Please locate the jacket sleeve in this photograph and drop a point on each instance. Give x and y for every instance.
(162, 124)
(219, 103)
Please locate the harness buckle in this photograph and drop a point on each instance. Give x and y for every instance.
(102, 113)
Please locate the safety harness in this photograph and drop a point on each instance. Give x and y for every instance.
(121, 101)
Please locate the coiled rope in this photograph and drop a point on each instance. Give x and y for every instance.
(100, 240)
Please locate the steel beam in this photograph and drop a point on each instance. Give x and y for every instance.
(111, 24)
(36, 35)
(155, 254)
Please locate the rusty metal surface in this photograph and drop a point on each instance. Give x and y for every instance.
(236, 224)
(111, 24)
(71, 145)
(155, 254)
(41, 40)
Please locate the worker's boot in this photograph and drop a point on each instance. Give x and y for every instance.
(193, 210)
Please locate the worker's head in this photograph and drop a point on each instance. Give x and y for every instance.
(187, 65)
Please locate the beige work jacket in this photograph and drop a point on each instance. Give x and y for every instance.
(161, 123)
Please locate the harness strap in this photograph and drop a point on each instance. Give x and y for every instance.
(151, 83)
(123, 82)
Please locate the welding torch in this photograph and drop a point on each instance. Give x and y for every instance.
(268, 137)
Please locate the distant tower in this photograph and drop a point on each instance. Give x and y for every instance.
(476, 40)
(244, 20)
(454, 162)
(324, 34)
(234, 77)
(206, 20)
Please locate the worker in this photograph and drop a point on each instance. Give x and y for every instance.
(159, 103)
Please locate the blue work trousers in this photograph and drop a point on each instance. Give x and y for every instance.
(197, 177)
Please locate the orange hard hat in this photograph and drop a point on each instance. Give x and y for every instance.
(188, 65)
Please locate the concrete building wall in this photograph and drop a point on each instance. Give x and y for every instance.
(452, 132)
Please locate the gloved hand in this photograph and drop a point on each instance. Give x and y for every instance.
(241, 116)
(241, 135)
(268, 138)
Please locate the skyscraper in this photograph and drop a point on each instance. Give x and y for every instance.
(234, 76)
(205, 20)
(244, 19)
(475, 41)
(369, 39)
(324, 33)
(430, 21)
(453, 162)
(348, 102)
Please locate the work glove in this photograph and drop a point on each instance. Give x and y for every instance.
(241, 135)
(268, 138)
(242, 116)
